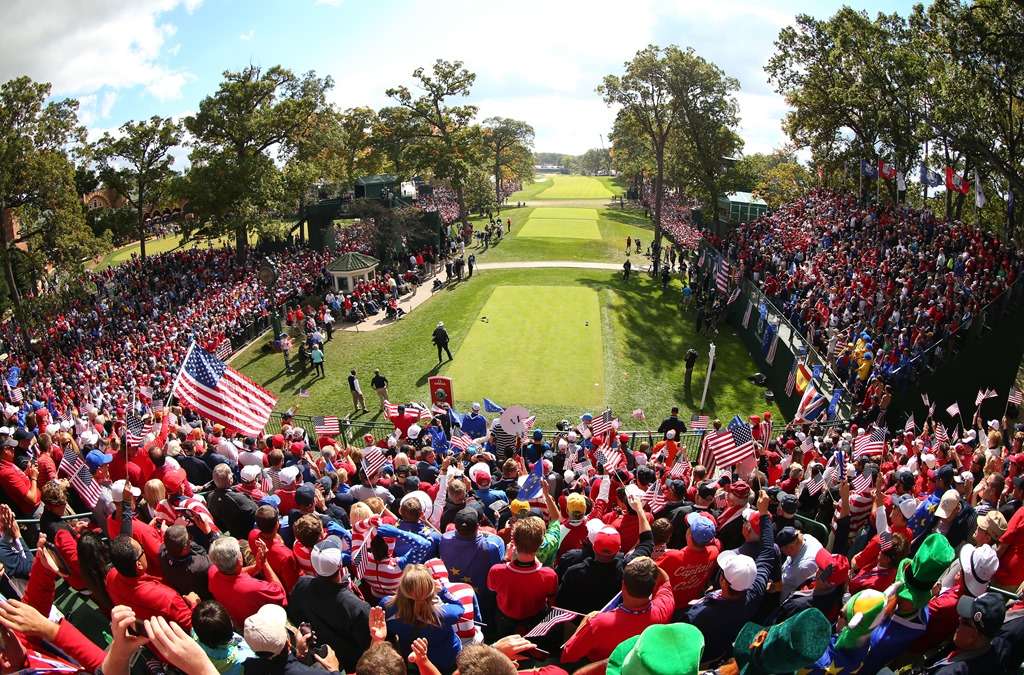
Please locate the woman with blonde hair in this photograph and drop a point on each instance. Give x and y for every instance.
(423, 609)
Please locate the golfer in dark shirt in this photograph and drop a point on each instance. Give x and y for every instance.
(672, 422)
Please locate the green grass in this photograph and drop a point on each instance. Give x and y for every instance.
(561, 346)
(571, 213)
(613, 224)
(561, 228)
(644, 336)
(575, 187)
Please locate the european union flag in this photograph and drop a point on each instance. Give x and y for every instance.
(492, 407)
(13, 375)
(531, 486)
(816, 371)
(868, 169)
(833, 405)
(438, 440)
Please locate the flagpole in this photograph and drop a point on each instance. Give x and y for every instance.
(181, 367)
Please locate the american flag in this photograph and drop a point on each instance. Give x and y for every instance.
(682, 465)
(732, 445)
(861, 483)
(359, 559)
(734, 296)
(610, 459)
(529, 422)
(872, 444)
(808, 443)
(815, 485)
(791, 381)
(984, 394)
(773, 348)
(941, 435)
(135, 430)
(1015, 397)
(765, 427)
(911, 426)
(373, 461)
(953, 410)
(223, 350)
(885, 540)
(722, 276)
(461, 441)
(655, 497)
(74, 468)
(746, 315)
(601, 423)
(699, 422)
(16, 394)
(554, 617)
(326, 426)
(222, 394)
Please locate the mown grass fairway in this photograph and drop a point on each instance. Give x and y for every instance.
(536, 334)
(575, 187)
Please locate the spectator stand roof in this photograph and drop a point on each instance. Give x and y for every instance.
(353, 262)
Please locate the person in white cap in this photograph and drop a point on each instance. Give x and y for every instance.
(124, 521)
(440, 339)
(339, 618)
(474, 424)
(266, 632)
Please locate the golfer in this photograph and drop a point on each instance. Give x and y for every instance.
(440, 339)
(380, 385)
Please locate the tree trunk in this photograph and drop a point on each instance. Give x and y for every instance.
(12, 287)
(659, 180)
(142, 233)
(241, 243)
(461, 199)
(497, 184)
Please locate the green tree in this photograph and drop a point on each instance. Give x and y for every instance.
(783, 183)
(137, 164)
(234, 183)
(37, 188)
(509, 145)
(595, 161)
(749, 169)
(445, 139)
(646, 97)
(705, 133)
(480, 194)
(392, 135)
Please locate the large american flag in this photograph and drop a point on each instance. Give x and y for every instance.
(870, 445)
(732, 445)
(553, 618)
(73, 467)
(223, 350)
(326, 426)
(601, 423)
(722, 277)
(221, 394)
(699, 422)
(391, 410)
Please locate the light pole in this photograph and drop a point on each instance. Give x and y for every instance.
(707, 379)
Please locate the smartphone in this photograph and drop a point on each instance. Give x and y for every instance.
(137, 629)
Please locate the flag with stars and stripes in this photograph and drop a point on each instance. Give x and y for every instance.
(553, 618)
(602, 423)
(1015, 397)
(732, 445)
(611, 459)
(326, 426)
(870, 445)
(861, 483)
(911, 426)
(460, 441)
(791, 381)
(135, 430)
(373, 461)
(885, 540)
(15, 394)
(941, 435)
(772, 348)
(221, 394)
(699, 422)
(655, 497)
(746, 315)
(74, 468)
(223, 349)
(815, 485)
(722, 276)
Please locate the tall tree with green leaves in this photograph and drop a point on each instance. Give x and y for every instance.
(37, 187)
(137, 164)
(444, 136)
(645, 95)
(705, 133)
(509, 144)
(233, 182)
(392, 135)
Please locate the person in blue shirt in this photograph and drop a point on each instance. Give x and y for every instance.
(480, 474)
(420, 610)
(410, 514)
(469, 555)
(474, 424)
(535, 449)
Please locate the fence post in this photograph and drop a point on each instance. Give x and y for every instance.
(345, 425)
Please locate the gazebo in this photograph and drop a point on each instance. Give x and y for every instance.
(349, 269)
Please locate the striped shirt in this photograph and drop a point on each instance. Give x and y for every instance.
(382, 576)
(467, 631)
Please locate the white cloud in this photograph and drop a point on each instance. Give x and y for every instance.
(247, 35)
(85, 45)
(174, 49)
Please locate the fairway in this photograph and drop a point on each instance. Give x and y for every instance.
(561, 228)
(575, 187)
(545, 212)
(526, 335)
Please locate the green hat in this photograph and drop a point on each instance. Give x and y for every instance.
(928, 565)
(864, 611)
(662, 649)
(784, 647)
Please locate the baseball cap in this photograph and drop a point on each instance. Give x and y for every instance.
(467, 520)
(786, 535)
(753, 516)
(265, 631)
(906, 504)
(833, 568)
(607, 541)
(576, 504)
(414, 431)
(250, 472)
(305, 495)
(788, 502)
(270, 500)
(5, 431)
(22, 434)
(701, 529)
(950, 500)
(985, 613)
(739, 489)
(978, 565)
(538, 434)
(326, 556)
(946, 472)
(476, 406)
(706, 490)
(118, 487)
(95, 459)
(994, 523)
(738, 569)
(906, 477)
(288, 475)
(963, 477)
(173, 480)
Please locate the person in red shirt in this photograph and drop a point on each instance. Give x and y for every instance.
(279, 557)
(122, 521)
(235, 587)
(129, 584)
(21, 487)
(646, 599)
(690, 568)
(523, 586)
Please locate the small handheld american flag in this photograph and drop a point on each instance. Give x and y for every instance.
(326, 426)
(699, 422)
(553, 618)
(1015, 397)
(373, 461)
(602, 423)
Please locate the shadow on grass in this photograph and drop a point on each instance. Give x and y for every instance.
(430, 373)
(628, 216)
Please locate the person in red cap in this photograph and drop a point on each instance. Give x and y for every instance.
(826, 591)
(730, 521)
(180, 509)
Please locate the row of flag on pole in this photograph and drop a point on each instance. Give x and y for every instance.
(953, 181)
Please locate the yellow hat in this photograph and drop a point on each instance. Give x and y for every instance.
(576, 504)
(518, 507)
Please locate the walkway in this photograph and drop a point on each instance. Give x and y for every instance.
(424, 292)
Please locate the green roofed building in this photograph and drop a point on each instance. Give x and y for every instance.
(377, 187)
(740, 207)
(348, 269)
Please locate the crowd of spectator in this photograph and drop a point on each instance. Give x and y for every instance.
(904, 280)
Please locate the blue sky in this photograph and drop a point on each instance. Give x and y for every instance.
(539, 62)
